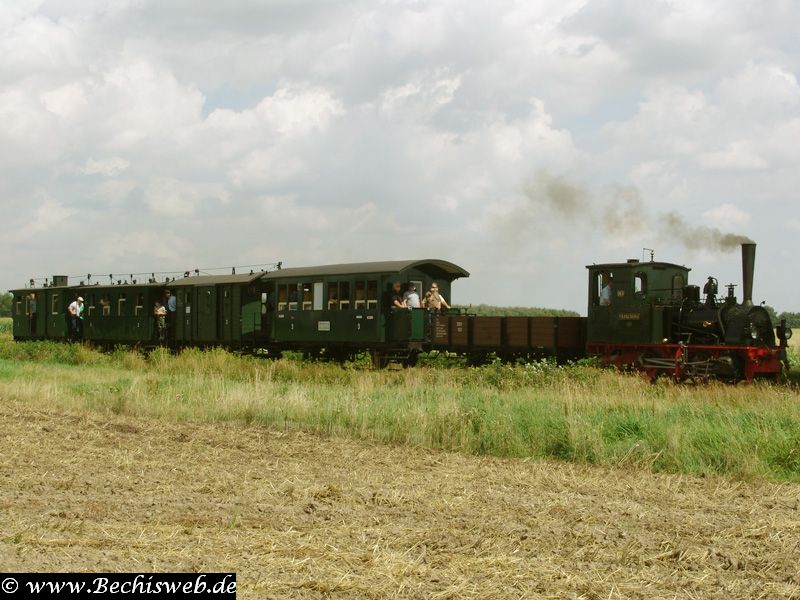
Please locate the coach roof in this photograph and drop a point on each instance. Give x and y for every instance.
(433, 267)
(440, 269)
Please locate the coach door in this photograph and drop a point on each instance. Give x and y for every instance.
(225, 306)
(55, 313)
(184, 305)
(267, 308)
(206, 315)
(599, 311)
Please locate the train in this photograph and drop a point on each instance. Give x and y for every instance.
(641, 315)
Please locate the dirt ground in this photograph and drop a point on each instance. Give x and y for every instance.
(299, 516)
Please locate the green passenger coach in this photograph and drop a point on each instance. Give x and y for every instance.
(345, 308)
(336, 310)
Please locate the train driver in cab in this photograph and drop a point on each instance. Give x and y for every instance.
(607, 292)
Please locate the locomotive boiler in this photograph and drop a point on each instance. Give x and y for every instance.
(723, 320)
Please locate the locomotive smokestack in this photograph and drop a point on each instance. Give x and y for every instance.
(748, 267)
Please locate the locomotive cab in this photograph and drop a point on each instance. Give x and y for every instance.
(644, 295)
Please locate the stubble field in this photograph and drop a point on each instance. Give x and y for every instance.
(297, 515)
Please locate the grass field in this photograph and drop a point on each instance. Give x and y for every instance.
(314, 481)
(579, 414)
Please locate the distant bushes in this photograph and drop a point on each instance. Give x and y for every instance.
(792, 318)
(487, 310)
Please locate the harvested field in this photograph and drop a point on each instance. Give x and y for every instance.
(296, 515)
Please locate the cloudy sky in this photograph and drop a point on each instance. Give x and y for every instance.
(521, 140)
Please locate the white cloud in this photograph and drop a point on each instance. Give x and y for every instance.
(736, 156)
(295, 110)
(314, 131)
(428, 94)
(168, 197)
(106, 166)
(727, 215)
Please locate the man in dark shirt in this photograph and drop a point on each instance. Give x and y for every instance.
(171, 304)
(396, 297)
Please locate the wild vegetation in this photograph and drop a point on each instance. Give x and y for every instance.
(575, 413)
(5, 305)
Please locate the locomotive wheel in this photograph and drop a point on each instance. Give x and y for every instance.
(650, 373)
(702, 371)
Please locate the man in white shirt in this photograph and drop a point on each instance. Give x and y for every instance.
(411, 296)
(74, 310)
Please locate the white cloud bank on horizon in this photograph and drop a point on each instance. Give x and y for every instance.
(150, 136)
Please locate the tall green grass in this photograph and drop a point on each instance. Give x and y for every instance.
(572, 413)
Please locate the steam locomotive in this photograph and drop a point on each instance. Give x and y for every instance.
(641, 315)
(659, 323)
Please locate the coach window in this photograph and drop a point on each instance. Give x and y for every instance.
(361, 296)
(319, 295)
(344, 295)
(372, 295)
(283, 297)
(306, 292)
(333, 295)
(295, 293)
(92, 302)
(640, 285)
(264, 298)
(121, 305)
(18, 310)
(139, 308)
(307, 296)
(105, 304)
(54, 304)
